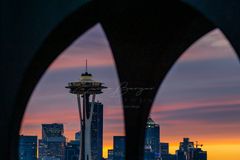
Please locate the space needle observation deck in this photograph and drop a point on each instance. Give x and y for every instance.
(86, 90)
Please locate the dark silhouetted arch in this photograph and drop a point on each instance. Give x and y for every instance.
(146, 39)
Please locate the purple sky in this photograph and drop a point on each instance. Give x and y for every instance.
(199, 98)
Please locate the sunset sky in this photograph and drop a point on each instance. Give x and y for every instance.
(199, 98)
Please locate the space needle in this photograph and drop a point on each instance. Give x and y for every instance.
(85, 89)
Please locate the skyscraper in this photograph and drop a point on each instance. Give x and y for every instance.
(110, 154)
(152, 137)
(97, 131)
(199, 154)
(52, 130)
(119, 147)
(164, 148)
(78, 135)
(72, 150)
(27, 147)
(186, 150)
(53, 142)
(148, 153)
(164, 152)
(41, 149)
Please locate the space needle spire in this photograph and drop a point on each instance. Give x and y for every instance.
(86, 66)
(86, 90)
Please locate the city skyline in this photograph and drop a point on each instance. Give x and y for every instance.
(53, 145)
(201, 93)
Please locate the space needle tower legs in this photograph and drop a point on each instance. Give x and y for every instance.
(85, 89)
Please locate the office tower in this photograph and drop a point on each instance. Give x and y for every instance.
(152, 137)
(199, 154)
(119, 147)
(110, 154)
(148, 153)
(27, 147)
(164, 148)
(186, 150)
(53, 142)
(72, 150)
(78, 135)
(164, 152)
(97, 131)
(42, 149)
(52, 130)
(86, 90)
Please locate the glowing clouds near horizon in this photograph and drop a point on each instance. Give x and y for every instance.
(51, 102)
(198, 99)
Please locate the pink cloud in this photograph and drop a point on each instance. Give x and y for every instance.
(196, 104)
(214, 45)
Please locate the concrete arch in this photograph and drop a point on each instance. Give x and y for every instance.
(224, 15)
(26, 63)
(147, 48)
(143, 43)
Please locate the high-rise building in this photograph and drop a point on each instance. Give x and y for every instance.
(186, 150)
(78, 135)
(164, 152)
(199, 154)
(42, 149)
(53, 142)
(164, 148)
(27, 147)
(97, 131)
(110, 154)
(52, 130)
(152, 137)
(72, 150)
(148, 153)
(119, 147)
